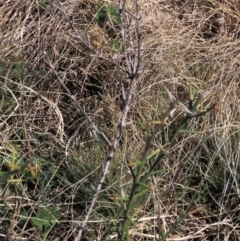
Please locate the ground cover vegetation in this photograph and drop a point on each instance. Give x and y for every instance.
(119, 120)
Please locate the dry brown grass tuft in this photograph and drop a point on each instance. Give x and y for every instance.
(184, 43)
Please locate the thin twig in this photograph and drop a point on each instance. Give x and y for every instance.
(133, 75)
(132, 59)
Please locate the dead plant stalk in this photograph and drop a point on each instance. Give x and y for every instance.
(130, 68)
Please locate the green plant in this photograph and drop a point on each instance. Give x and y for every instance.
(44, 6)
(107, 13)
(148, 163)
(2, 69)
(16, 169)
(45, 219)
(16, 71)
(117, 44)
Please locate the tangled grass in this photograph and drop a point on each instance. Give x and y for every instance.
(50, 157)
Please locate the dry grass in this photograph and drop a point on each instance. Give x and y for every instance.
(184, 43)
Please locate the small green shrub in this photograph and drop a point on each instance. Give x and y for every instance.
(117, 44)
(107, 13)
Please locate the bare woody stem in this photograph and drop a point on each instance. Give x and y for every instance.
(131, 69)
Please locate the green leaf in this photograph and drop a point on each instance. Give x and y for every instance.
(109, 13)
(113, 14)
(46, 217)
(101, 15)
(154, 153)
(44, 6)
